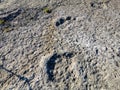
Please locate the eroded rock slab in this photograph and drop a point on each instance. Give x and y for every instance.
(74, 47)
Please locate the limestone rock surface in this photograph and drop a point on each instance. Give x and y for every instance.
(59, 44)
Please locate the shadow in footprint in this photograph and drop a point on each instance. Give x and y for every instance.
(51, 65)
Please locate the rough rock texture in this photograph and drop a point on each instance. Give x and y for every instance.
(74, 47)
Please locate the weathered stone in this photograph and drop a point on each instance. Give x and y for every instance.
(75, 47)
